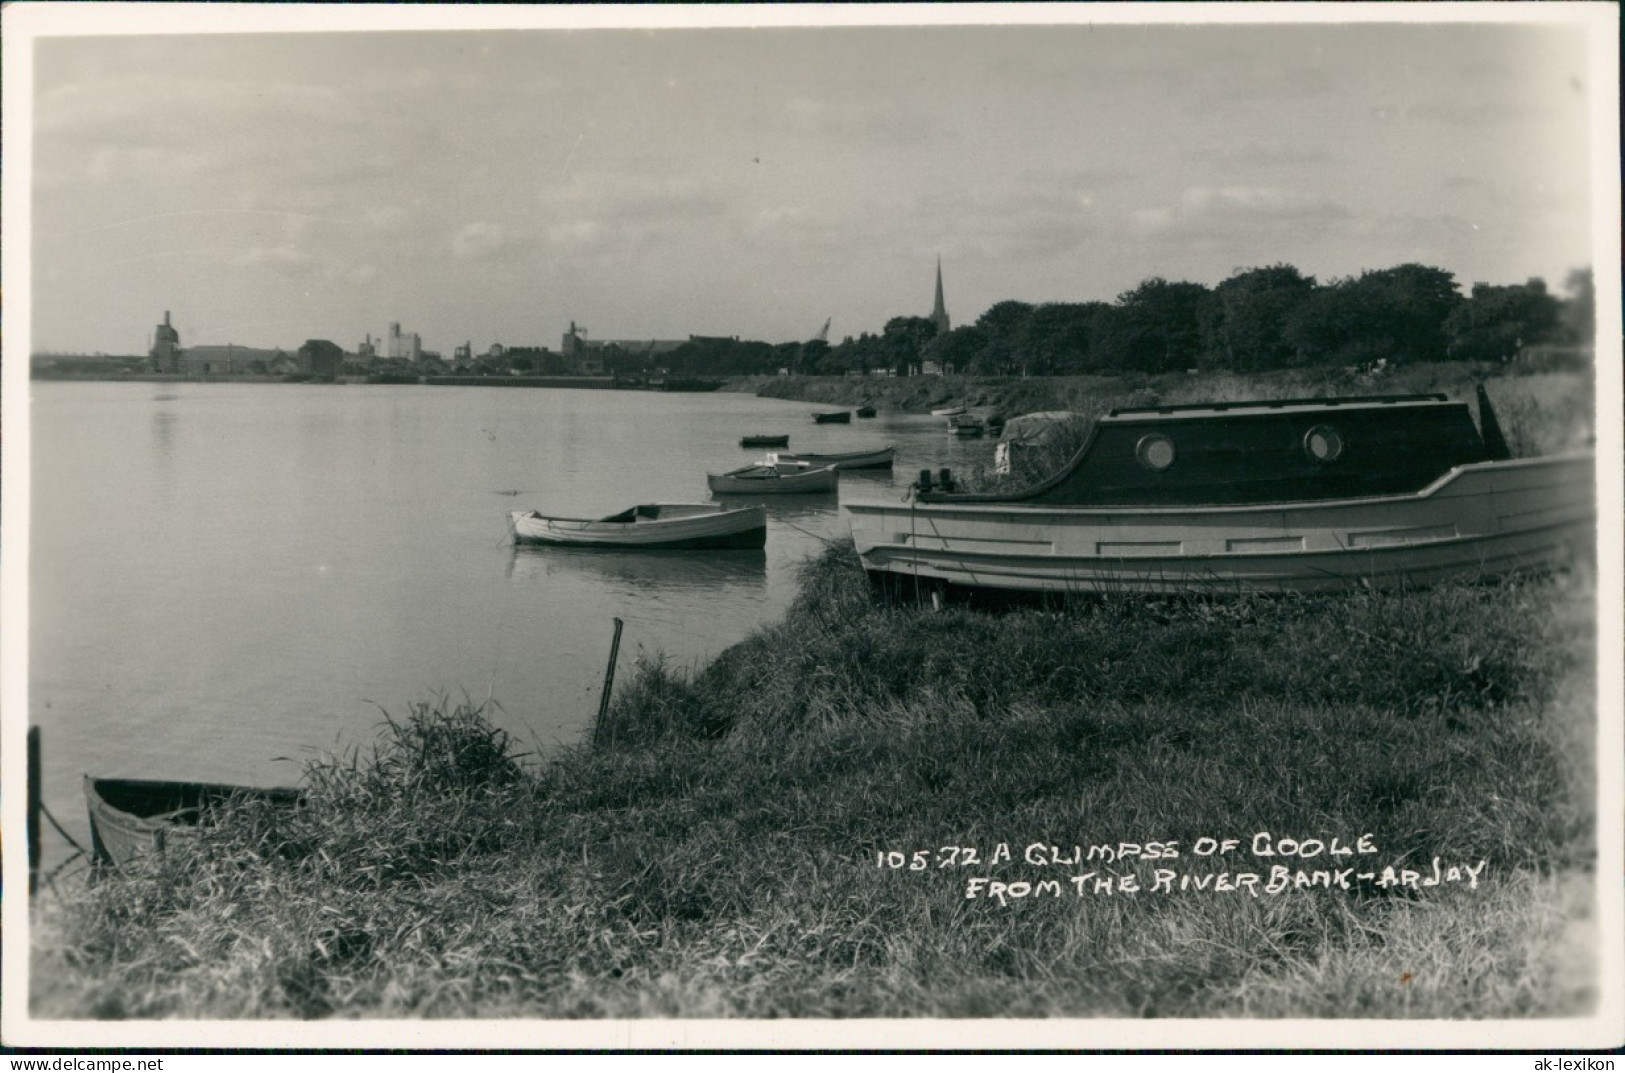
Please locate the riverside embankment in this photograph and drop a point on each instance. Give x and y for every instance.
(1374, 805)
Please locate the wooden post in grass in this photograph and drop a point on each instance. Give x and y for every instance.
(33, 808)
(598, 730)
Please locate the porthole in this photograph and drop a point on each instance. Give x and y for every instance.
(1155, 452)
(1323, 443)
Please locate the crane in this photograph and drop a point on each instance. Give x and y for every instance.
(823, 333)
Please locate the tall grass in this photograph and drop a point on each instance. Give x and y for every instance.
(722, 855)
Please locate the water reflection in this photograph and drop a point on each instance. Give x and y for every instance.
(645, 573)
(163, 432)
(783, 508)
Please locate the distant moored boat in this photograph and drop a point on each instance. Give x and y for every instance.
(648, 527)
(782, 478)
(843, 417)
(880, 456)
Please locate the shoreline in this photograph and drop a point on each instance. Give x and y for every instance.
(748, 838)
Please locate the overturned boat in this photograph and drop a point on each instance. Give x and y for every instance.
(1270, 496)
(649, 527)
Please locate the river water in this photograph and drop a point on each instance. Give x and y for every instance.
(227, 580)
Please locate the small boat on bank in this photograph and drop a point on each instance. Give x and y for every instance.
(130, 818)
(1026, 440)
(967, 426)
(948, 411)
(765, 441)
(875, 459)
(648, 527)
(775, 478)
(1305, 495)
(840, 417)
(866, 411)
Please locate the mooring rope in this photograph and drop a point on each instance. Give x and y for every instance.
(47, 813)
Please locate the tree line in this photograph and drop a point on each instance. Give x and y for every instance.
(1258, 319)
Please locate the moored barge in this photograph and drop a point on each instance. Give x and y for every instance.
(1267, 496)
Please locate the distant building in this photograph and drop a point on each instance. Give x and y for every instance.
(166, 348)
(320, 359)
(366, 352)
(585, 357)
(227, 359)
(939, 312)
(405, 346)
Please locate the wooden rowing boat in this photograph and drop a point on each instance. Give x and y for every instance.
(843, 417)
(765, 441)
(130, 818)
(880, 456)
(866, 411)
(948, 411)
(1299, 495)
(649, 527)
(780, 478)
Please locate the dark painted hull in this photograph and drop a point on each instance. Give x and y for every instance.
(1260, 452)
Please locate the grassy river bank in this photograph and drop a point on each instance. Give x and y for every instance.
(1374, 805)
(813, 825)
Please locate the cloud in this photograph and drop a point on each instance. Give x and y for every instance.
(1207, 211)
(613, 196)
(283, 260)
(862, 120)
(482, 241)
(1473, 114)
(1257, 155)
(614, 213)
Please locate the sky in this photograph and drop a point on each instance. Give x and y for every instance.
(492, 186)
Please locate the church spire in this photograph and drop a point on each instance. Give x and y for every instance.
(939, 312)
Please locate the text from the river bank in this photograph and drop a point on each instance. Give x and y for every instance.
(1264, 865)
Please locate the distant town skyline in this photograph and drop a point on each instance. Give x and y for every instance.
(493, 186)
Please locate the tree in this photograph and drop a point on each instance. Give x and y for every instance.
(1004, 327)
(1395, 314)
(813, 353)
(1497, 322)
(1157, 326)
(1578, 316)
(959, 350)
(1244, 325)
(905, 341)
(1414, 301)
(1060, 337)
